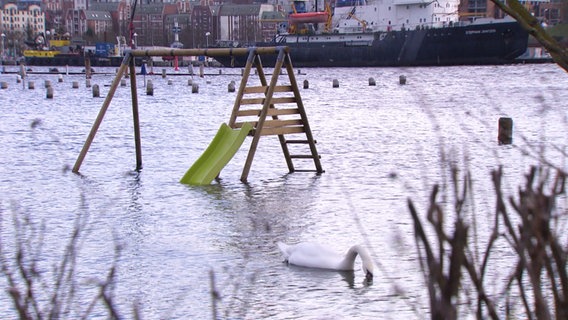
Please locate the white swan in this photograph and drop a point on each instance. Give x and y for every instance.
(313, 255)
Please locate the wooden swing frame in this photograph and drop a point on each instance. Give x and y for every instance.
(244, 108)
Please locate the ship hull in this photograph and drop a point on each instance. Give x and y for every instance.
(475, 44)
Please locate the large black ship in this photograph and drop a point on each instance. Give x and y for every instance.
(349, 38)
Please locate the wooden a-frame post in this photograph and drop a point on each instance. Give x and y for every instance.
(290, 107)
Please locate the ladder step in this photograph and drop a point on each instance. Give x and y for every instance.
(306, 170)
(299, 141)
(303, 156)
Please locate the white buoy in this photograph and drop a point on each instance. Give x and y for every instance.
(402, 79)
(75, 84)
(231, 87)
(88, 83)
(31, 85)
(123, 82)
(335, 83)
(4, 85)
(170, 82)
(201, 71)
(189, 82)
(18, 79)
(372, 81)
(60, 78)
(306, 84)
(164, 73)
(47, 83)
(194, 88)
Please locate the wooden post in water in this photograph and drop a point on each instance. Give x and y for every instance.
(23, 74)
(231, 87)
(49, 93)
(101, 114)
(87, 66)
(149, 88)
(135, 115)
(96, 91)
(505, 130)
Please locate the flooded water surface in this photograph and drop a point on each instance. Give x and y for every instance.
(178, 246)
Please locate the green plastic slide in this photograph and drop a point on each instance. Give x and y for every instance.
(219, 152)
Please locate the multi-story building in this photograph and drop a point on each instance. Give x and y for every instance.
(15, 18)
(19, 22)
(90, 24)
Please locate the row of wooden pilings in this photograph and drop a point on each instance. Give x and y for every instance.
(505, 131)
(96, 89)
(372, 82)
(194, 86)
(150, 85)
(49, 87)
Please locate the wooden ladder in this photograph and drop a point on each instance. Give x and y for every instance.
(288, 119)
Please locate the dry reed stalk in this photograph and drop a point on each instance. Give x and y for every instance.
(541, 255)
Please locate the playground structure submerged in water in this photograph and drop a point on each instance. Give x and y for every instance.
(281, 104)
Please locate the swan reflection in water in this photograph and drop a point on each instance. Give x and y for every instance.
(316, 256)
(325, 275)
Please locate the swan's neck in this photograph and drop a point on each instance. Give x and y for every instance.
(348, 262)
